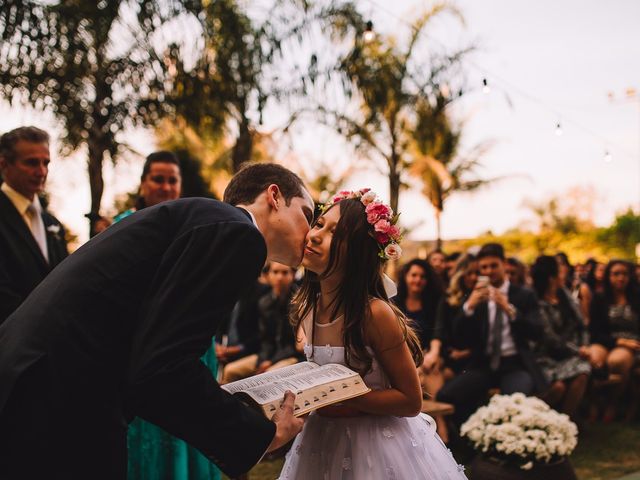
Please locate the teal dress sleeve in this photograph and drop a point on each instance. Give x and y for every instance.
(156, 455)
(124, 214)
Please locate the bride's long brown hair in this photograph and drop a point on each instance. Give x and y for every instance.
(354, 251)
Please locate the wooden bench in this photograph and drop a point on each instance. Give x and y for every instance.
(612, 379)
(431, 407)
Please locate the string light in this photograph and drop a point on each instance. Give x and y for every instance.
(558, 129)
(608, 158)
(369, 35)
(485, 86)
(630, 93)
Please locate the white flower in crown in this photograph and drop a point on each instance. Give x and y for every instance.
(393, 251)
(368, 198)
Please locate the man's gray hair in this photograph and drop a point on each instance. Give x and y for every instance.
(9, 140)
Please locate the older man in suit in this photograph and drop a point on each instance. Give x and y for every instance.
(117, 330)
(32, 241)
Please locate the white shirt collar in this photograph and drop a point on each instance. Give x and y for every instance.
(253, 219)
(504, 288)
(20, 201)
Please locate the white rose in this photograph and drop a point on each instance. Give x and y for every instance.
(368, 198)
(392, 251)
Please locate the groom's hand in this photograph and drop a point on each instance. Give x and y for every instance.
(287, 426)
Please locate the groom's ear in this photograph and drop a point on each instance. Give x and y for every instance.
(274, 197)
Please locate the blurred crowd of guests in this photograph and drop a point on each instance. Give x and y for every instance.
(487, 322)
(569, 334)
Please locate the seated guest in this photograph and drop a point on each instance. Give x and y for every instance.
(516, 271)
(277, 339)
(450, 262)
(32, 241)
(565, 271)
(593, 285)
(455, 353)
(563, 352)
(419, 293)
(438, 262)
(241, 335)
(615, 328)
(499, 321)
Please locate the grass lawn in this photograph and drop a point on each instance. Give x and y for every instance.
(604, 452)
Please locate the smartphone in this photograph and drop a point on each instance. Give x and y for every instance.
(483, 281)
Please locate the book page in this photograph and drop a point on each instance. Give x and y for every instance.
(301, 381)
(269, 377)
(321, 396)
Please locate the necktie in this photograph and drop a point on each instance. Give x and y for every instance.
(37, 229)
(496, 340)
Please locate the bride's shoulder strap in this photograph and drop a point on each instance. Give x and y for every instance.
(307, 324)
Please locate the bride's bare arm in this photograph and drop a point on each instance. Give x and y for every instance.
(385, 336)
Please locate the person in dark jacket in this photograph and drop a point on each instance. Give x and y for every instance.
(117, 331)
(499, 321)
(615, 328)
(562, 353)
(32, 241)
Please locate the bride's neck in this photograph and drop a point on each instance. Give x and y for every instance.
(328, 293)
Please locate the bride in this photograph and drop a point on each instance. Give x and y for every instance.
(346, 316)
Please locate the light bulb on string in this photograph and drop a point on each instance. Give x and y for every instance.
(558, 129)
(485, 86)
(608, 158)
(368, 34)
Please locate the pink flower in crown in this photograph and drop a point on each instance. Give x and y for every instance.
(394, 232)
(383, 226)
(376, 211)
(382, 238)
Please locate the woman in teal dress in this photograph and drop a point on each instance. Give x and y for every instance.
(153, 453)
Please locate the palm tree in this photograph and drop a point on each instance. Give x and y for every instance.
(387, 80)
(438, 163)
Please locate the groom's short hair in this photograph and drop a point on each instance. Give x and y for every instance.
(253, 179)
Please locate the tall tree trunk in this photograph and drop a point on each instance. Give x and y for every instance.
(394, 183)
(96, 182)
(243, 147)
(438, 231)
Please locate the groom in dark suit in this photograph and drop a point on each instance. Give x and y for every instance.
(499, 321)
(117, 330)
(32, 240)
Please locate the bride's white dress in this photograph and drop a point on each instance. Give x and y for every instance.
(367, 447)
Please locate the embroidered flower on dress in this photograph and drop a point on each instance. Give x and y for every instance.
(346, 463)
(387, 432)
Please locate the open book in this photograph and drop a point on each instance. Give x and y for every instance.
(315, 386)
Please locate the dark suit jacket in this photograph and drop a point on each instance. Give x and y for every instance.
(122, 324)
(527, 326)
(22, 265)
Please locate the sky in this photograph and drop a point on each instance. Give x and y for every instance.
(547, 62)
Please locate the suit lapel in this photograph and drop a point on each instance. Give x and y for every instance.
(16, 223)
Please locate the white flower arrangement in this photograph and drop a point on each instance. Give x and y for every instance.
(520, 428)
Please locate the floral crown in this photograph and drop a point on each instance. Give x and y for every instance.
(379, 216)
